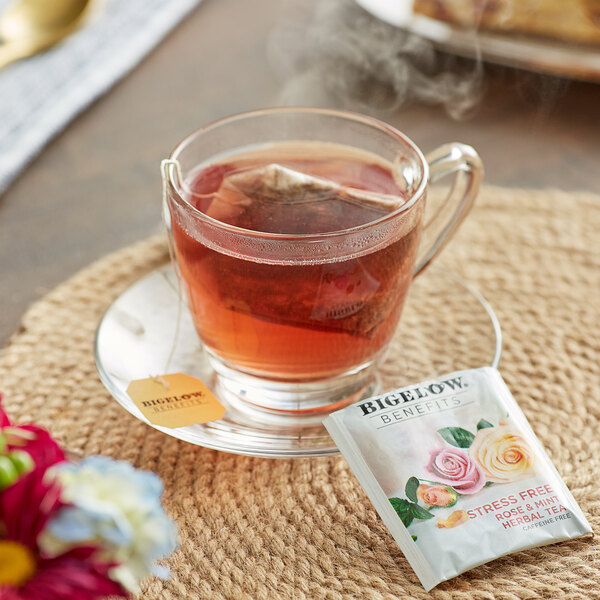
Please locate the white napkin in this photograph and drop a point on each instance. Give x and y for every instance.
(40, 95)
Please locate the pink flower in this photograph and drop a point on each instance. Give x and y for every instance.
(74, 575)
(4, 420)
(34, 440)
(457, 469)
(26, 506)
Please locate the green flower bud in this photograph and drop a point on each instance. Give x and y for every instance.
(22, 461)
(8, 472)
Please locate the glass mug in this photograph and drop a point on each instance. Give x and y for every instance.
(297, 233)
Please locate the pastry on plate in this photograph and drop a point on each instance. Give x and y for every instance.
(568, 20)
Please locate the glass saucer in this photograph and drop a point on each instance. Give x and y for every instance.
(446, 325)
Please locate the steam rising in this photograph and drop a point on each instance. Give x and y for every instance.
(333, 53)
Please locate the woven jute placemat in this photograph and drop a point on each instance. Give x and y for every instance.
(261, 528)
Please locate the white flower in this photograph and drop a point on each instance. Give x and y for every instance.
(117, 508)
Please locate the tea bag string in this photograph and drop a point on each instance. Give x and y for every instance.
(166, 165)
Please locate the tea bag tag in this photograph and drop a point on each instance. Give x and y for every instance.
(175, 400)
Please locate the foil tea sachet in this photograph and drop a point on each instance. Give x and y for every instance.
(281, 200)
(456, 473)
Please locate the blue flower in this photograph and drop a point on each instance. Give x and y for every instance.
(116, 507)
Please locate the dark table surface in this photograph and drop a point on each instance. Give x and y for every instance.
(96, 187)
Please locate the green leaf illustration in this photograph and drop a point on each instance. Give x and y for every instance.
(420, 513)
(403, 510)
(411, 489)
(414, 538)
(483, 424)
(457, 436)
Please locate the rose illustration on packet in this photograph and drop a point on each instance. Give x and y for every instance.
(464, 464)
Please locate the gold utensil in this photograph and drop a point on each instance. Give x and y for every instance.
(30, 26)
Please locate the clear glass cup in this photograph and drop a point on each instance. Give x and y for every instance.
(295, 321)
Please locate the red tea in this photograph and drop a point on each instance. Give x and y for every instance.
(295, 320)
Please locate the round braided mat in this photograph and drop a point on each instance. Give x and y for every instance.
(258, 528)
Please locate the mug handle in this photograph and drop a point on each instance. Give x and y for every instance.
(464, 162)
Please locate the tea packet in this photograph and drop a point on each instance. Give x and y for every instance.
(456, 473)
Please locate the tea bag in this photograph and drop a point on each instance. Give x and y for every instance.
(277, 199)
(353, 297)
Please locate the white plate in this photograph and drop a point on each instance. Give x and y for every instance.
(532, 53)
(138, 337)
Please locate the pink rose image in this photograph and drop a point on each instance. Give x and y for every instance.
(457, 469)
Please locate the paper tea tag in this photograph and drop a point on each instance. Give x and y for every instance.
(175, 400)
(456, 473)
